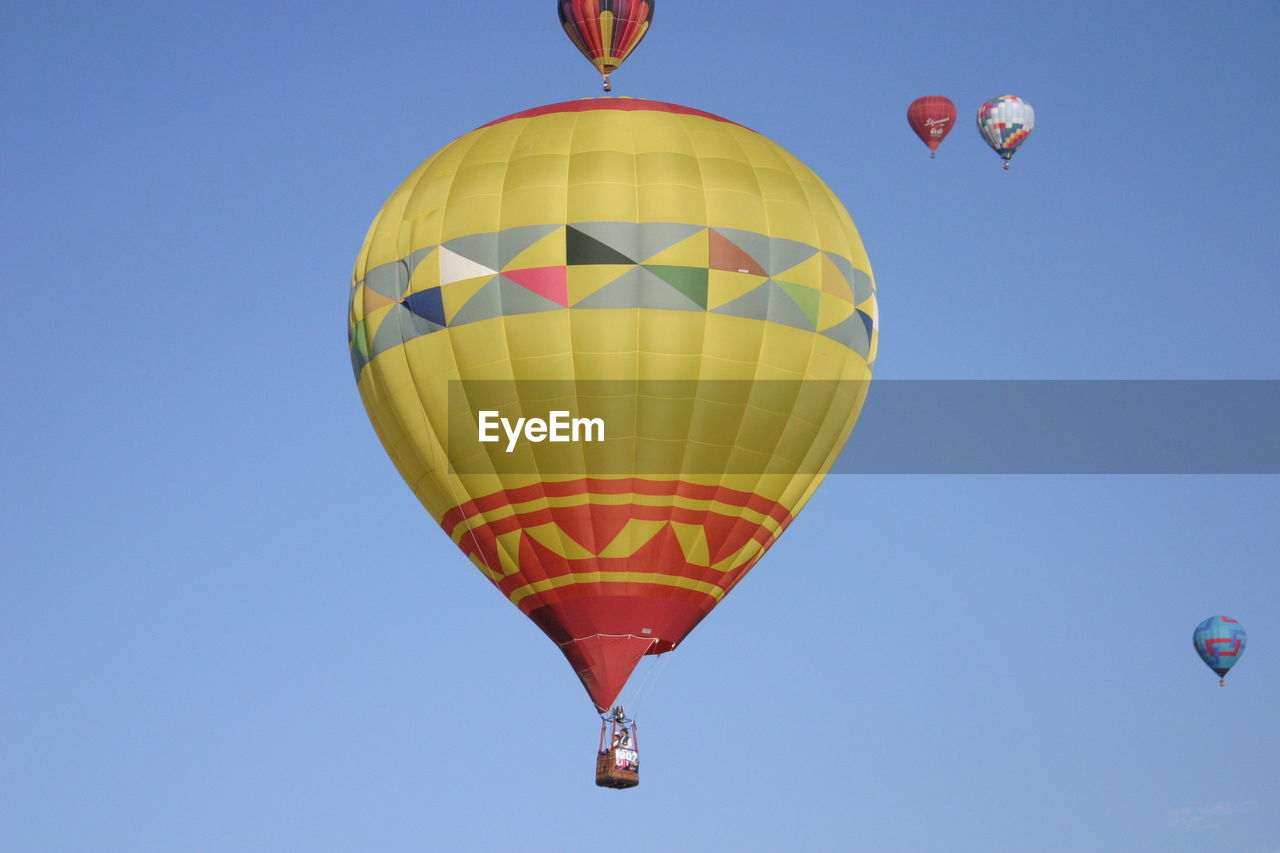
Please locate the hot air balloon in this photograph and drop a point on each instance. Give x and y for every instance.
(1220, 642)
(1005, 123)
(605, 31)
(672, 274)
(932, 118)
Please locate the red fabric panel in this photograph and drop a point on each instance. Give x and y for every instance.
(604, 663)
(588, 104)
(611, 611)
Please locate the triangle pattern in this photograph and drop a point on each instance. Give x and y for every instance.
(742, 556)
(359, 341)
(548, 282)
(661, 238)
(690, 281)
(768, 302)
(775, 254)
(373, 321)
(784, 309)
(373, 300)
(632, 537)
(575, 523)
(868, 322)
(548, 251)
(427, 304)
(693, 541)
(456, 267)
(852, 332)
(753, 304)
(832, 311)
(639, 288)
(459, 293)
(833, 280)
(863, 288)
(552, 538)
(607, 525)
(484, 305)
(477, 248)
(426, 274)
(512, 242)
(391, 280)
(724, 286)
(582, 248)
(508, 548)
(625, 238)
(724, 254)
(808, 299)
(517, 299)
(401, 325)
(807, 272)
(586, 280)
(689, 252)
(416, 257)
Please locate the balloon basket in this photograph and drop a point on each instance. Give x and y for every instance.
(610, 775)
(618, 759)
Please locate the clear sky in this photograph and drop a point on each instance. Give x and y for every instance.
(227, 625)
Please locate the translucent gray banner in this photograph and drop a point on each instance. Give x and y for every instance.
(708, 427)
(1067, 427)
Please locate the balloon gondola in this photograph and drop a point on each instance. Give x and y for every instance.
(618, 758)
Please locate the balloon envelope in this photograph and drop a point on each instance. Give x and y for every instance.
(605, 31)
(679, 275)
(1005, 123)
(932, 118)
(1220, 642)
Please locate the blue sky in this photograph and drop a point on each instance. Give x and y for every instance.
(225, 624)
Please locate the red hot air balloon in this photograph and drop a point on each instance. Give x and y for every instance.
(932, 118)
(605, 31)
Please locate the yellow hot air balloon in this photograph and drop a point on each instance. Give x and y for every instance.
(673, 275)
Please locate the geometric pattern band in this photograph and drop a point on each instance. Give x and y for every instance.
(610, 265)
(695, 540)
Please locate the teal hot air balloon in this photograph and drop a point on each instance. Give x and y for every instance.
(1220, 642)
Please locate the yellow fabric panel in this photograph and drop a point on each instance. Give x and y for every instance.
(656, 201)
(667, 167)
(536, 170)
(602, 202)
(602, 167)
